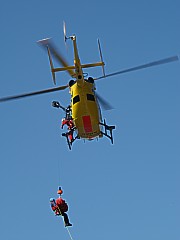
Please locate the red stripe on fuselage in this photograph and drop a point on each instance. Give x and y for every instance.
(87, 124)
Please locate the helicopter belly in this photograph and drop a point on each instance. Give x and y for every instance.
(87, 124)
(85, 111)
(87, 127)
(86, 119)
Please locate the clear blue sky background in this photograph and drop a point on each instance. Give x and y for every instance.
(129, 190)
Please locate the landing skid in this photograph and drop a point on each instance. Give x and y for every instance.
(106, 129)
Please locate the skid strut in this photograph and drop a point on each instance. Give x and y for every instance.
(108, 130)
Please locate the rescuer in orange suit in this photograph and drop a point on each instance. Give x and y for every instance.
(70, 125)
(60, 207)
(66, 121)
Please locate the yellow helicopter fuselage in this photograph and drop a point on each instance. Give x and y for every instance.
(85, 110)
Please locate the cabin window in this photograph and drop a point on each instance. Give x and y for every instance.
(90, 97)
(76, 99)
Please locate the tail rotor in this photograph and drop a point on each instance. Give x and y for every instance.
(64, 30)
(65, 36)
(101, 57)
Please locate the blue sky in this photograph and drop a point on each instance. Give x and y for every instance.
(129, 190)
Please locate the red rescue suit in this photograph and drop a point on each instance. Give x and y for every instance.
(60, 205)
(70, 125)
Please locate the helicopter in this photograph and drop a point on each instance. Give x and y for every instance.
(83, 116)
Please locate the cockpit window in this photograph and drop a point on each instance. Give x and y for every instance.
(90, 97)
(76, 99)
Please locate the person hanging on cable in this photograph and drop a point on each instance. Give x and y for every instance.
(60, 207)
(70, 126)
(66, 121)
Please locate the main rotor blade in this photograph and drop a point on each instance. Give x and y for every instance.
(32, 93)
(53, 50)
(105, 105)
(151, 64)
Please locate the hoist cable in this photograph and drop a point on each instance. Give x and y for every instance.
(59, 171)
